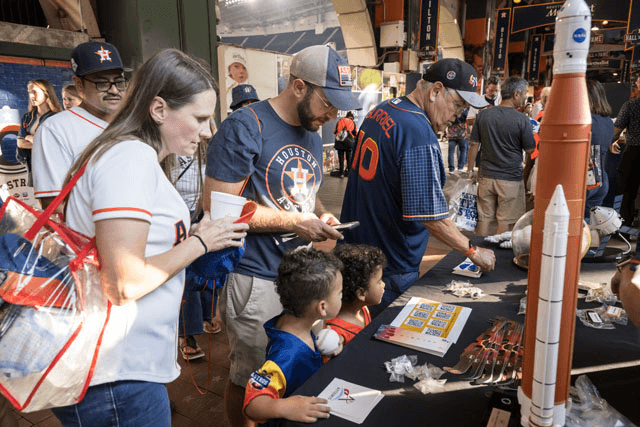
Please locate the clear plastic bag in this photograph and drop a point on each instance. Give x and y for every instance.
(589, 409)
(52, 309)
(603, 317)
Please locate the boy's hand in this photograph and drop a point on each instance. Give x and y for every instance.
(306, 409)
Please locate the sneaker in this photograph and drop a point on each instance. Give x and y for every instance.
(346, 174)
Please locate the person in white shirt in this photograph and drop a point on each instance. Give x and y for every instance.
(99, 77)
(144, 238)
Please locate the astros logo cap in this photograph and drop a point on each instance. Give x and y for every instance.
(92, 57)
(456, 74)
(242, 93)
(324, 67)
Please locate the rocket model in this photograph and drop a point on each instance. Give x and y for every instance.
(564, 154)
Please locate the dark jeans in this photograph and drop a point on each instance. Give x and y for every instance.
(463, 148)
(119, 404)
(199, 303)
(341, 158)
(628, 182)
(611, 163)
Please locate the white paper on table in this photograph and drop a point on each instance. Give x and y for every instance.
(350, 401)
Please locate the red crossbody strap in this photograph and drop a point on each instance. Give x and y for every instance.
(44, 217)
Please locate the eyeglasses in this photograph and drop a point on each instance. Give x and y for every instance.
(459, 106)
(329, 107)
(121, 85)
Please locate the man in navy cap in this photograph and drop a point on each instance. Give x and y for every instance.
(243, 95)
(99, 76)
(270, 152)
(395, 188)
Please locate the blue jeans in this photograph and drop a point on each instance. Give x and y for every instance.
(463, 148)
(119, 404)
(395, 285)
(199, 301)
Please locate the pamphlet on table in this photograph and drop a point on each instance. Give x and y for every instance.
(350, 401)
(426, 325)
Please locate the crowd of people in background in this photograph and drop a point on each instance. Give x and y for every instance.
(157, 138)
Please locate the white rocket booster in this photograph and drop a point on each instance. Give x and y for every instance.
(554, 254)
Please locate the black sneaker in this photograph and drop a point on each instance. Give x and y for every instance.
(336, 173)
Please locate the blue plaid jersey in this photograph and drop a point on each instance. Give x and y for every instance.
(396, 182)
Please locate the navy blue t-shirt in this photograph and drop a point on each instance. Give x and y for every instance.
(396, 182)
(282, 166)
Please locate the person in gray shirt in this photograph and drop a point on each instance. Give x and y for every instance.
(501, 134)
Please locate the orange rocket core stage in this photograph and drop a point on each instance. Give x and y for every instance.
(565, 138)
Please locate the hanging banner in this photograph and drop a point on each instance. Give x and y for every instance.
(632, 38)
(501, 40)
(429, 25)
(539, 15)
(534, 60)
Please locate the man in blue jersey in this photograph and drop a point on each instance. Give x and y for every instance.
(270, 152)
(395, 187)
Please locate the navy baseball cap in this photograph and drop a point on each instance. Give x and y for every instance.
(456, 74)
(242, 93)
(92, 57)
(324, 67)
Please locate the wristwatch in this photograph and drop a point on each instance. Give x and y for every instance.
(471, 250)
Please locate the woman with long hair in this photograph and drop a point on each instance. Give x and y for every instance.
(601, 137)
(43, 103)
(144, 238)
(70, 96)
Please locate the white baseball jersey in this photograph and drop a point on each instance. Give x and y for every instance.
(140, 342)
(58, 142)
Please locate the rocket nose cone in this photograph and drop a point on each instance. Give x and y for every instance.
(558, 203)
(574, 8)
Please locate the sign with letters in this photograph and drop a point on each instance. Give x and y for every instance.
(501, 39)
(429, 25)
(539, 15)
(534, 60)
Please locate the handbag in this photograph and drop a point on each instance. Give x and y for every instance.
(53, 312)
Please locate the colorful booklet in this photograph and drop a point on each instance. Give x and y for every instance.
(425, 325)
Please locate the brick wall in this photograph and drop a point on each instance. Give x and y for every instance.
(16, 72)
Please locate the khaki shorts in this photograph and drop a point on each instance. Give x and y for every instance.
(246, 303)
(500, 204)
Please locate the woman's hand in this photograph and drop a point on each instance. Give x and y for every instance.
(220, 233)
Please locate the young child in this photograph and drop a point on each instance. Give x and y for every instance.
(362, 285)
(309, 283)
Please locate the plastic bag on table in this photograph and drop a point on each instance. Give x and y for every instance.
(463, 205)
(589, 409)
(603, 317)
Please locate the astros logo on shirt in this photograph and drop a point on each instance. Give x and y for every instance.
(299, 174)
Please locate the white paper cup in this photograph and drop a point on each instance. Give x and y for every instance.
(223, 204)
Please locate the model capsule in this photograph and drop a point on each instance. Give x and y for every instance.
(564, 154)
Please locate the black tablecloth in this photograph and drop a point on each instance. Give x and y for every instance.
(362, 360)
